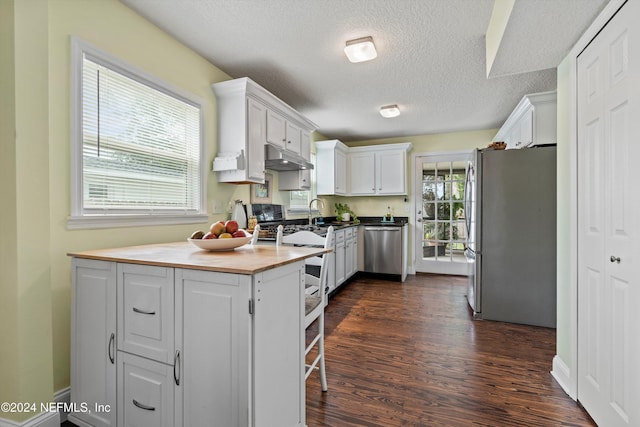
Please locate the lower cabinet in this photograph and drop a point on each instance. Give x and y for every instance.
(191, 348)
(93, 343)
(346, 254)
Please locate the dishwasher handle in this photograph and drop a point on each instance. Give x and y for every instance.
(381, 228)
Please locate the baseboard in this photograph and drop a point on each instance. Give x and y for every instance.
(63, 396)
(562, 374)
(43, 419)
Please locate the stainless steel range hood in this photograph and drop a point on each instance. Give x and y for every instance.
(281, 160)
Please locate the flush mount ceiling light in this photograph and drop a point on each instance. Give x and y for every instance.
(360, 50)
(389, 111)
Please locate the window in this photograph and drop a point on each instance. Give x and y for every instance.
(137, 151)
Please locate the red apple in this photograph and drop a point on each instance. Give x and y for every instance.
(209, 235)
(239, 233)
(231, 226)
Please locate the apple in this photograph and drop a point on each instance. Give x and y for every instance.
(239, 233)
(225, 236)
(209, 235)
(231, 226)
(218, 228)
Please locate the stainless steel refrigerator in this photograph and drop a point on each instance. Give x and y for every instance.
(510, 207)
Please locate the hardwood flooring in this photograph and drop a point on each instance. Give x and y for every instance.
(410, 354)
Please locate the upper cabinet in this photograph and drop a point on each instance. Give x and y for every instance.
(248, 118)
(376, 170)
(532, 122)
(331, 167)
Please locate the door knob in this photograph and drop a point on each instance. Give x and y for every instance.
(615, 259)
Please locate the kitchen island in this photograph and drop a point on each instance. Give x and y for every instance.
(170, 335)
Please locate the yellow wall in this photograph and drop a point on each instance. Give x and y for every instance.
(9, 377)
(36, 282)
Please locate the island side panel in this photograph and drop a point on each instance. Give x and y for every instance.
(278, 328)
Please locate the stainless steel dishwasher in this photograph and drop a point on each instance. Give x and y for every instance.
(383, 249)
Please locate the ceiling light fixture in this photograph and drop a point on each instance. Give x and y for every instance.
(360, 50)
(389, 111)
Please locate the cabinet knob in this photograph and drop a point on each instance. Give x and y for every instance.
(615, 259)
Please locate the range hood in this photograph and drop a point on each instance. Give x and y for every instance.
(281, 160)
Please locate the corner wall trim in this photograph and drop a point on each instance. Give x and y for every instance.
(562, 374)
(43, 419)
(64, 396)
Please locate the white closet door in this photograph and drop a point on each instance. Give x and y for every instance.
(608, 222)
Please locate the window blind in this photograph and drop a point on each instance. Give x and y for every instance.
(140, 147)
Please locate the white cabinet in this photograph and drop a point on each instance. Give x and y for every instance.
(213, 338)
(294, 180)
(362, 176)
(331, 165)
(276, 129)
(340, 257)
(532, 122)
(192, 346)
(305, 145)
(284, 134)
(93, 341)
(248, 118)
(378, 170)
(241, 136)
(345, 256)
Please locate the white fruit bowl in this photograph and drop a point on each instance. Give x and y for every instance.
(221, 244)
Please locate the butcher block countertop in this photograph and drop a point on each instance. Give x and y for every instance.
(247, 259)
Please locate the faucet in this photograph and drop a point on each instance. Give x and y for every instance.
(310, 203)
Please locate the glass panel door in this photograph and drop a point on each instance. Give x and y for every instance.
(440, 215)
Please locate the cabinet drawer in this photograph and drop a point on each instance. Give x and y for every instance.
(348, 233)
(145, 311)
(145, 392)
(339, 235)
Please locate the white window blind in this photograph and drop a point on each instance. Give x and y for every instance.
(141, 146)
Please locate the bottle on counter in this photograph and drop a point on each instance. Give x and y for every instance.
(389, 216)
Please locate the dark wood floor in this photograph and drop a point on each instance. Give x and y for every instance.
(409, 354)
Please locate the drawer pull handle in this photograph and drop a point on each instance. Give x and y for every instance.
(143, 406)
(137, 310)
(110, 348)
(176, 367)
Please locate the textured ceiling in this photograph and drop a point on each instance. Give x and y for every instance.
(431, 56)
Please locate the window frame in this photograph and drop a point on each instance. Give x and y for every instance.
(80, 219)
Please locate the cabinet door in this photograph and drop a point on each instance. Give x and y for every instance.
(145, 392)
(294, 180)
(145, 311)
(293, 138)
(526, 129)
(391, 173)
(93, 341)
(340, 173)
(212, 341)
(362, 173)
(340, 257)
(276, 129)
(305, 145)
(256, 139)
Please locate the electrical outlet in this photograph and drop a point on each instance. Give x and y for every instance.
(216, 207)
